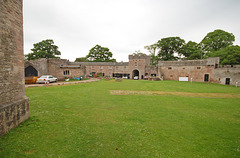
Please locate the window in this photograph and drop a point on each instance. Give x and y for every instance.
(116, 67)
(198, 67)
(135, 63)
(110, 67)
(66, 72)
(93, 67)
(101, 67)
(169, 68)
(171, 75)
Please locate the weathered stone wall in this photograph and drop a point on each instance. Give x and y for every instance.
(41, 65)
(56, 67)
(197, 73)
(14, 106)
(139, 63)
(195, 69)
(222, 73)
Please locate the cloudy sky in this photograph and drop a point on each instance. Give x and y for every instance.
(124, 26)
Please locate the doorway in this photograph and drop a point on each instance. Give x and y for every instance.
(30, 71)
(135, 73)
(227, 81)
(206, 77)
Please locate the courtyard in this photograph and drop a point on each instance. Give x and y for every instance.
(131, 118)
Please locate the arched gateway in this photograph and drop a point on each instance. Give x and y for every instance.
(135, 73)
(30, 71)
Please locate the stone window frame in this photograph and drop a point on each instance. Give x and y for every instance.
(101, 67)
(66, 72)
(110, 67)
(135, 64)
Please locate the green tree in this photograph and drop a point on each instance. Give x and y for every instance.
(100, 54)
(81, 59)
(228, 56)
(43, 49)
(192, 51)
(170, 47)
(217, 40)
(152, 49)
(138, 52)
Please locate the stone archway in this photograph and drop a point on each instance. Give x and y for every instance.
(135, 73)
(30, 71)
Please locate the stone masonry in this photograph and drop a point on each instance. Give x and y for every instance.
(204, 70)
(14, 105)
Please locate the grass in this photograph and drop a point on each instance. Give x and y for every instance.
(85, 120)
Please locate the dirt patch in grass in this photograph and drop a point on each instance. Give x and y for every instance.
(30, 151)
(164, 93)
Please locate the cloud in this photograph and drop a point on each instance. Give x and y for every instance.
(123, 25)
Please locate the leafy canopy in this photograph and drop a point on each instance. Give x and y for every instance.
(192, 51)
(100, 54)
(81, 59)
(170, 47)
(228, 56)
(43, 49)
(217, 40)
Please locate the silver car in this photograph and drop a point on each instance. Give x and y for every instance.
(46, 78)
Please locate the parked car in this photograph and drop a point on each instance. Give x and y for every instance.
(135, 77)
(125, 77)
(48, 78)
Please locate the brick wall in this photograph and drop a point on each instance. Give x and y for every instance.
(14, 106)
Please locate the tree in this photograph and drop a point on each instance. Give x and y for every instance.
(217, 40)
(43, 49)
(138, 52)
(100, 54)
(152, 50)
(81, 59)
(170, 47)
(192, 51)
(228, 56)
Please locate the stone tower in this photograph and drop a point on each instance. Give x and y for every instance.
(14, 105)
(137, 65)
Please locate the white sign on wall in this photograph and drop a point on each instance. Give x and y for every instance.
(183, 78)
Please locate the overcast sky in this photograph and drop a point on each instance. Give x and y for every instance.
(124, 26)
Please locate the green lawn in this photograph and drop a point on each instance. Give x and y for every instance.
(85, 120)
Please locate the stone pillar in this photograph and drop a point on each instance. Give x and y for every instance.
(14, 105)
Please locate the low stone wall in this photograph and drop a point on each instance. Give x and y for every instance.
(11, 115)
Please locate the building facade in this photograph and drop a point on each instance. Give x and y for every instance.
(204, 70)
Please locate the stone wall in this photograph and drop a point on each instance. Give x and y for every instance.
(195, 69)
(138, 62)
(56, 67)
(41, 65)
(222, 73)
(14, 106)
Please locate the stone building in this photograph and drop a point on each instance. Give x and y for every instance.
(204, 70)
(14, 105)
(60, 68)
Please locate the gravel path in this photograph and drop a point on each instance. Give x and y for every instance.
(61, 83)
